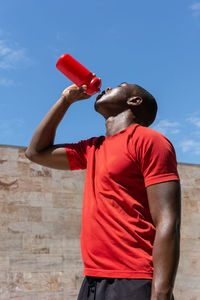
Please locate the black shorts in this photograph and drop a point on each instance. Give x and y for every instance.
(101, 288)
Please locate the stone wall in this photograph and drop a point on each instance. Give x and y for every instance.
(40, 221)
(188, 277)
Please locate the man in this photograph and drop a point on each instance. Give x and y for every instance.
(131, 206)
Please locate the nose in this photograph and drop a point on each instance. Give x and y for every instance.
(108, 89)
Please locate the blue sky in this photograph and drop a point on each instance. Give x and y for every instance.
(155, 44)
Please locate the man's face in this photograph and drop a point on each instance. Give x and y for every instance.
(114, 100)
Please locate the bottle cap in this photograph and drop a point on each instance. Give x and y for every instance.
(94, 86)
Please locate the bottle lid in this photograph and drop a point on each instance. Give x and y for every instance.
(94, 86)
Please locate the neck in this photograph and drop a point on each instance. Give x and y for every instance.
(115, 124)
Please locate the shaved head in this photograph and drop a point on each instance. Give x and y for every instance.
(128, 97)
(146, 113)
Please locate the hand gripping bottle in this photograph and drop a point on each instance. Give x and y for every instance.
(78, 74)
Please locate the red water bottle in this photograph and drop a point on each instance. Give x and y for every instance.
(78, 74)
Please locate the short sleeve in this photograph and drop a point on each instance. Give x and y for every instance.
(156, 157)
(77, 153)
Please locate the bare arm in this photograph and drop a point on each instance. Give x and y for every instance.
(165, 207)
(42, 149)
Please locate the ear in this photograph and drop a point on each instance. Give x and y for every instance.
(134, 101)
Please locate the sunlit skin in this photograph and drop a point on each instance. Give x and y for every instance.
(116, 105)
(120, 106)
(113, 101)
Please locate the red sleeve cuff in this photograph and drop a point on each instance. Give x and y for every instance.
(161, 178)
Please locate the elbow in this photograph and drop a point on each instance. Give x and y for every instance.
(30, 155)
(170, 227)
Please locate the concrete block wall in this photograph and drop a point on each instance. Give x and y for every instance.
(40, 222)
(188, 277)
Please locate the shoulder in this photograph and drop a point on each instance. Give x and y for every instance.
(91, 142)
(147, 142)
(94, 140)
(155, 155)
(148, 133)
(149, 136)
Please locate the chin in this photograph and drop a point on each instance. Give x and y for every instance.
(99, 107)
(99, 100)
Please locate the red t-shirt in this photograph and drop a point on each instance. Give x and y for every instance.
(117, 230)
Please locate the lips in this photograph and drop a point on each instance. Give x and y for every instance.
(100, 95)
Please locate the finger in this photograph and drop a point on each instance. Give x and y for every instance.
(83, 88)
(72, 86)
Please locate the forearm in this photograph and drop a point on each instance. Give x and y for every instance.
(165, 259)
(45, 133)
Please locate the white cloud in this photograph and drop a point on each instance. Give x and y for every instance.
(195, 6)
(195, 121)
(167, 127)
(186, 134)
(6, 82)
(190, 146)
(11, 56)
